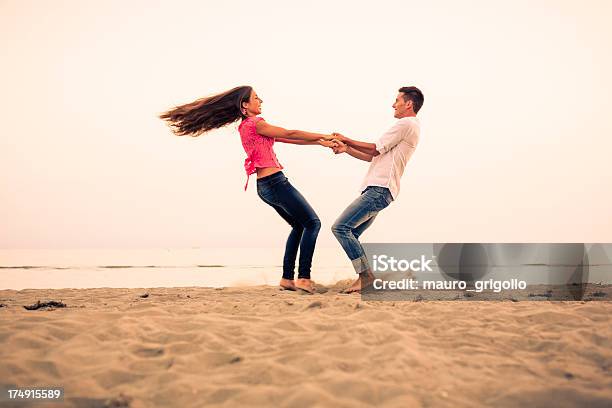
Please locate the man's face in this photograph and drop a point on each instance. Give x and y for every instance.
(402, 108)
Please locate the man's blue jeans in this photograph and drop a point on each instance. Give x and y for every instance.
(357, 218)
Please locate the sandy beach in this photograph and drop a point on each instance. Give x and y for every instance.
(258, 346)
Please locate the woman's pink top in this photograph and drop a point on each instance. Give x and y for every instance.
(257, 147)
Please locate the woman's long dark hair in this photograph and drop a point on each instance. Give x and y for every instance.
(208, 113)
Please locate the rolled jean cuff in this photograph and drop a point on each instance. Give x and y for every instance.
(361, 264)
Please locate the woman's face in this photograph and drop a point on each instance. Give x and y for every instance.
(253, 106)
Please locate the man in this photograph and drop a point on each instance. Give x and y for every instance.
(381, 186)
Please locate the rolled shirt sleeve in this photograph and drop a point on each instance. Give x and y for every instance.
(391, 137)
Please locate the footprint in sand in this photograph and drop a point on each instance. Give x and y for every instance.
(148, 351)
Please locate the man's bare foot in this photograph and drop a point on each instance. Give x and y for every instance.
(306, 285)
(363, 281)
(287, 284)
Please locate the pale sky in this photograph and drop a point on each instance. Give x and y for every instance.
(515, 143)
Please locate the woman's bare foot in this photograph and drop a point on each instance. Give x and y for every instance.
(363, 281)
(287, 284)
(306, 285)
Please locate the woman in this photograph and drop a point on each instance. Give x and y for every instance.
(273, 187)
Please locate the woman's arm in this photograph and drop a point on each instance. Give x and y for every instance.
(294, 141)
(268, 130)
(321, 142)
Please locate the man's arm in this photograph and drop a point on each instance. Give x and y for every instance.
(344, 148)
(359, 154)
(386, 142)
(362, 147)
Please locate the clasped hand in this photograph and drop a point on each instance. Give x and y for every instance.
(334, 142)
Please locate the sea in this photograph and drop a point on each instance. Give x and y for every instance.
(160, 267)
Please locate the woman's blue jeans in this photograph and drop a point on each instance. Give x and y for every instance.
(357, 218)
(277, 192)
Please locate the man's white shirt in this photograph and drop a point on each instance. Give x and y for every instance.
(395, 147)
